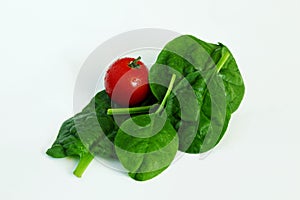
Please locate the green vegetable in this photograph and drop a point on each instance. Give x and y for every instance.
(89, 133)
(217, 84)
(147, 144)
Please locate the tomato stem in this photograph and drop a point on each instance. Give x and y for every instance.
(133, 64)
(123, 111)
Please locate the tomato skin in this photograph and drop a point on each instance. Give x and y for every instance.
(125, 85)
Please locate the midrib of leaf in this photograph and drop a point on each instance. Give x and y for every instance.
(222, 61)
(146, 151)
(219, 66)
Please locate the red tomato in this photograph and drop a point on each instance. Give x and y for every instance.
(126, 81)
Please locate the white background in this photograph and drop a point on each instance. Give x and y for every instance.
(43, 45)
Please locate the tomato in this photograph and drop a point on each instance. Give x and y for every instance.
(126, 81)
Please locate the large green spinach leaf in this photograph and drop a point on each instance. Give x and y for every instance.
(212, 73)
(89, 133)
(146, 145)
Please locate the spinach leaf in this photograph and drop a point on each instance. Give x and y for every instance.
(68, 144)
(89, 133)
(146, 145)
(218, 87)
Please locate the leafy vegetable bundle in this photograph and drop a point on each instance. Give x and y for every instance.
(195, 87)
